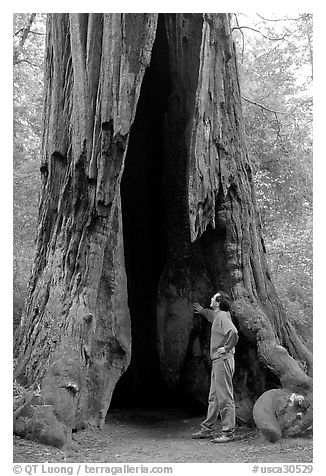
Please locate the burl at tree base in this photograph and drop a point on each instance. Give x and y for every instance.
(148, 205)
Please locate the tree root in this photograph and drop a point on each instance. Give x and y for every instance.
(279, 413)
(35, 419)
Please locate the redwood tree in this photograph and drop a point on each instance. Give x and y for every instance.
(147, 205)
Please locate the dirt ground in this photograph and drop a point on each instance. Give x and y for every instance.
(148, 436)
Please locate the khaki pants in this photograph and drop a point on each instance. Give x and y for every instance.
(220, 400)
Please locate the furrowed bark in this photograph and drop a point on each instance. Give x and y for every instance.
(144, 143)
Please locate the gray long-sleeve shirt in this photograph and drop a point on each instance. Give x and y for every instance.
(223, 333)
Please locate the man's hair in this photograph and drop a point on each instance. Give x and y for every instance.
(224, 299)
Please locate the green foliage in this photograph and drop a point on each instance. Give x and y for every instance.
(276, 83)
(26, 189)
(29, 37)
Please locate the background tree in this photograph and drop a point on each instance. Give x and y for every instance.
(147, 205)
(28, 58)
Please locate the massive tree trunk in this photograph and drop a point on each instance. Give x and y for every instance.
(147, 205)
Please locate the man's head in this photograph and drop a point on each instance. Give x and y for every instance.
(220, 300)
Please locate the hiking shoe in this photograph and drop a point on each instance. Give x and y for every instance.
(223, 439)
(201, 434)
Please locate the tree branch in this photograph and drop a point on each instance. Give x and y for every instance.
(18, 31)
(27, 29)
(277, 19)
(26, 61)
(37, 33)
(265, 108)
(25, 32)
(258, 31)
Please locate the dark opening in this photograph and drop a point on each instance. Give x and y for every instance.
(144, 228)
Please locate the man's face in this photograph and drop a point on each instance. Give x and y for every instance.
(214, 303)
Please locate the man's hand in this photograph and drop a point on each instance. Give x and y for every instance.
(220, 351)
(198, 308)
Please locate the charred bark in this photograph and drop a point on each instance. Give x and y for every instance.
(147, 206)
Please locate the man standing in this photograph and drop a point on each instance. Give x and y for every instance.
(224, 337)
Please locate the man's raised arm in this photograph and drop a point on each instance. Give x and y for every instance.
(204, 312)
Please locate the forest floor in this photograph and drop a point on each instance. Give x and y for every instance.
(157, 436)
